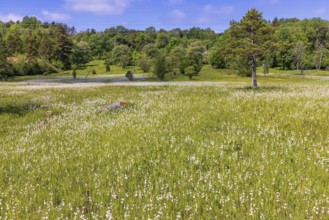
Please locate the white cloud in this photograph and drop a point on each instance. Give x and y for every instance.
(211, 13)
(99, 6)
(320, 12)
(55, 16)
(176, 16)
(10, 17)
(224, 10)
(204, 20)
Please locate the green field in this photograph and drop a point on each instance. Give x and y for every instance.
(217, 151)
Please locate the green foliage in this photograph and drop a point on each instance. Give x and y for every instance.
(13, 42)
(291, 43)
(193, 60)
(162, 40)
(252, 34)
(160, 66)
(31, 23)
(267, 62)
(190, 71)
(46, 47)
(81, 53)
(130, 75)
(47, 67)
(145, 63)
(175, 59)
(107, 63)
(57, 64)
(3, 53)
(216, 59)
(136, 56)
(30, 47)
(242, 64)
(252, 37)
(22, 68)
(63, 45)
(5, 68)
(151, 50)
(122, 55)
(173, 43)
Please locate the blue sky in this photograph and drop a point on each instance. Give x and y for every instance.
(167, 14)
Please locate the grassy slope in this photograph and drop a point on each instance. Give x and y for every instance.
(207, 74)
(82, 72)
(177, 151)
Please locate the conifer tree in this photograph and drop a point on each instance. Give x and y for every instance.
(252, 37)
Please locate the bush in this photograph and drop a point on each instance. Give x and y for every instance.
(130, 75)
(190, 72)
(24, 68)
(107, 65)
(216, 60)
(74, 73)
(145, 64)
(57, 64)
(47, 67)
(6, 71)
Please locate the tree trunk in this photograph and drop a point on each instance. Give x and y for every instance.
(301, 68)
(254, 67)
(320, 62)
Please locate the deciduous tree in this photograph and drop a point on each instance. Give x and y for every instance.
(81, 53)
(160, 66)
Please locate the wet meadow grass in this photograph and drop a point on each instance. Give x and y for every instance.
(177, 152)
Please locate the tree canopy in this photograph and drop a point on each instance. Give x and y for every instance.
(284, 43)
(251, 38)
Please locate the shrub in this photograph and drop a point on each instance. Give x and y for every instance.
(6, 71)
(216, 60)
(57, 64)
(190, 72)
(160, 67)
(107, 65)
(130, 75)
(27, 68)
(145, 64)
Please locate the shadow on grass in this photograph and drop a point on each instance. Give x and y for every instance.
(19, 109)
(262, 88)
(85, 66)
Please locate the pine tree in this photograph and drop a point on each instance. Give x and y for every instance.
(62, 44)
(252, 38)
(30, 47)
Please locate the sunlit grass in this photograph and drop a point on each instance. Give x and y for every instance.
(207, 74)
(228, 152)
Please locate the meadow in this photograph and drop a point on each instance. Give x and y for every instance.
(221, 151)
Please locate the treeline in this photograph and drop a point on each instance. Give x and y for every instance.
(35, 47)
(31, 47)
(295, 44)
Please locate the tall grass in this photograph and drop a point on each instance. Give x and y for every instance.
(177, 152)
